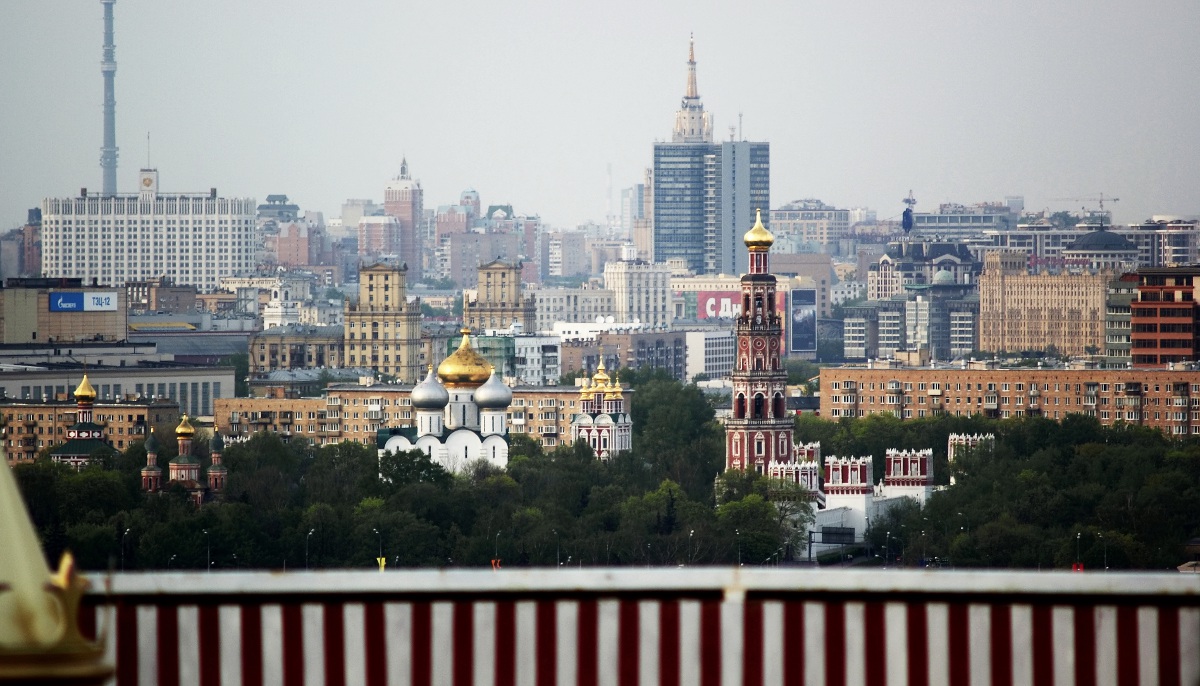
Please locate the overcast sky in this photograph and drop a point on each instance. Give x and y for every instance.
(530, 103)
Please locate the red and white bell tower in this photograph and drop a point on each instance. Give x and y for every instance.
(760, 431)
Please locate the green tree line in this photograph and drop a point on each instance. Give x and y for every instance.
(291, 505)
(1047, 495)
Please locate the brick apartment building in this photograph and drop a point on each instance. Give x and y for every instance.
(1164, 317)
(1166, 399)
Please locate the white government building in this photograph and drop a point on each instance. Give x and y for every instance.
(196, 239)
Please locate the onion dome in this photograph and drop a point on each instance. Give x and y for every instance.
(585, 390)
(185, 429)
(465, 367)
(85, 393)
(493, 395)
(217, 444)
(430, 394)
(600, 378)
(758, 239)
(151, 444)
(614, 391)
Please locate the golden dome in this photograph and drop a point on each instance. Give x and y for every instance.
(85, 393)
(600, 378)
(614, 392)
(465, 367)
(758, 239)
(185, 430)
(585, 390)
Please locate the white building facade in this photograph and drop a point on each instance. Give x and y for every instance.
(195, 239)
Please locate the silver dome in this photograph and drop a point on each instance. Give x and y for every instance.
(430, 394)
(493, 394)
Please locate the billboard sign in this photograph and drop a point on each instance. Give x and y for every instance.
(728, 304)
(718, 304)
(85, 301)
(803, 320)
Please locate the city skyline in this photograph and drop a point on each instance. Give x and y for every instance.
(531, 105)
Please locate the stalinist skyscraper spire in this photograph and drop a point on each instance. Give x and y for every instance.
(108, 68)
(692, 123)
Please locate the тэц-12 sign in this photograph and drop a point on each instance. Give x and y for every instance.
(85, 301)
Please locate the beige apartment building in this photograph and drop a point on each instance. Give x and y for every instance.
(296, 346)
(29, 427)
(357, 413)
(1166, 399)
(497, 301)
(1019, 311)
(383, 329)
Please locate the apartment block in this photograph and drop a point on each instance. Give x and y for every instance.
(1165, 399)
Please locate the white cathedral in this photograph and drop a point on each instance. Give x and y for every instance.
(462, 413)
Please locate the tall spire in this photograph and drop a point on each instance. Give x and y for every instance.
(692, 91)
(692, 123)
(108, 68)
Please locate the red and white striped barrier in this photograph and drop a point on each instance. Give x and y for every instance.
(733, 627)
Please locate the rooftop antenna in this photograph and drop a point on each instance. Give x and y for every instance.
(741, 134)
(148, 151)
(108, 69)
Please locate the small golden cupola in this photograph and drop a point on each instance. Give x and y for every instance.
(758, 238)
(185, 428)
(614, 390)
(600, 378)
(465, 367)
(85, 393)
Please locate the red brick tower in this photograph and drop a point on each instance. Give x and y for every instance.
(760, 430)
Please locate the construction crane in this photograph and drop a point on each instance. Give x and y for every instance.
(1098, 198)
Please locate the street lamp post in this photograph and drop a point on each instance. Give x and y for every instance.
(207, 551)
(923, 547)
(691, 555)
(1078, 537)
(738, 534)
(887, 549)
(123, 549)
(310, 533)
(496, 550)
(380, 537)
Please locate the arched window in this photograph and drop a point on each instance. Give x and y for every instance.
(779, 409)
(739, 408)
(759, 406)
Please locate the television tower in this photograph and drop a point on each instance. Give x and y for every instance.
(108, 68)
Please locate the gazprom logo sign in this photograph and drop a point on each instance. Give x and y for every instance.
(86, 301)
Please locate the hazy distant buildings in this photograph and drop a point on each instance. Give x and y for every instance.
(809, 226)
(641, 292)
(706, 193)
(404, 199)
(194, 239)
(953, 221)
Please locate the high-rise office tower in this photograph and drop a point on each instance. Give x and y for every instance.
(703, 191)
(404, 199)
